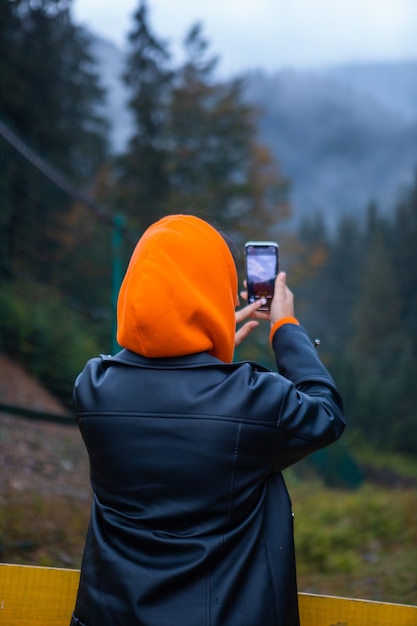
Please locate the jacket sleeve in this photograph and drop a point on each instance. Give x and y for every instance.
(311, 412)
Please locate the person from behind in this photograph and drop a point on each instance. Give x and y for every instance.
(191, 522)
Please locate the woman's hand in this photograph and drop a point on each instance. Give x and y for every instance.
(282, 305)
(251, 310)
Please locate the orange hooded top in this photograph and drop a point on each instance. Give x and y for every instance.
(179, 292)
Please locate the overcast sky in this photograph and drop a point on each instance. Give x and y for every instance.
(271, 34)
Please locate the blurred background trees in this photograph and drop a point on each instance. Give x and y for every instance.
(194, 146)
(361, 301)
(50, 92)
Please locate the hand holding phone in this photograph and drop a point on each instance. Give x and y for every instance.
(262, 266)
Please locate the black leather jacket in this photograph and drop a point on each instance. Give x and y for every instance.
(191, 521)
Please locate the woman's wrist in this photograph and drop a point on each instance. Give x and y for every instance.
(289, 319)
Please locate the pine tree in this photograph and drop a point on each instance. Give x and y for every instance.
(10, 60)
(378, 308)
(49, 90)
(216, 166)
(405, 258)
(378, 346)
(141, 178)
(337, 292)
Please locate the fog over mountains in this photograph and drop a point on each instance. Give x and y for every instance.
(345, 136)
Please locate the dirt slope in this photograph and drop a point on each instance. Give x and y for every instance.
(35, 455)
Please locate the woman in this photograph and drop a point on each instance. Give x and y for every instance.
(191, 522)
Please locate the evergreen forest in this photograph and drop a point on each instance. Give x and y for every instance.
(71, 210)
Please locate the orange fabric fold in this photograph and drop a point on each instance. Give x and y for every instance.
(178, 295)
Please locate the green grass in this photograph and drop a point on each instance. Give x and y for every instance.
(357, 544)
(404, 465)
(43, 530)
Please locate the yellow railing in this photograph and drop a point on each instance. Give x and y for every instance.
(43, 596)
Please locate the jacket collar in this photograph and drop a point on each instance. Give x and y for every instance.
(127, 357)
(200, 359)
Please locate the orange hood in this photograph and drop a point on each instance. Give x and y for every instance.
(179, 292)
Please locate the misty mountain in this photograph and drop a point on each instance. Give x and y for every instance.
(340, 135)
(345, 136)
(392, 84)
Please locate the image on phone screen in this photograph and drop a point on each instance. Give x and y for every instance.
(261, 271)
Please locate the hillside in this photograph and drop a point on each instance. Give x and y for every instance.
(37, 456)
(345, 136)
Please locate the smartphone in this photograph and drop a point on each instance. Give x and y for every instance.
(262, 266)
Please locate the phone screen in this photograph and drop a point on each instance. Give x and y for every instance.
(261, 271)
